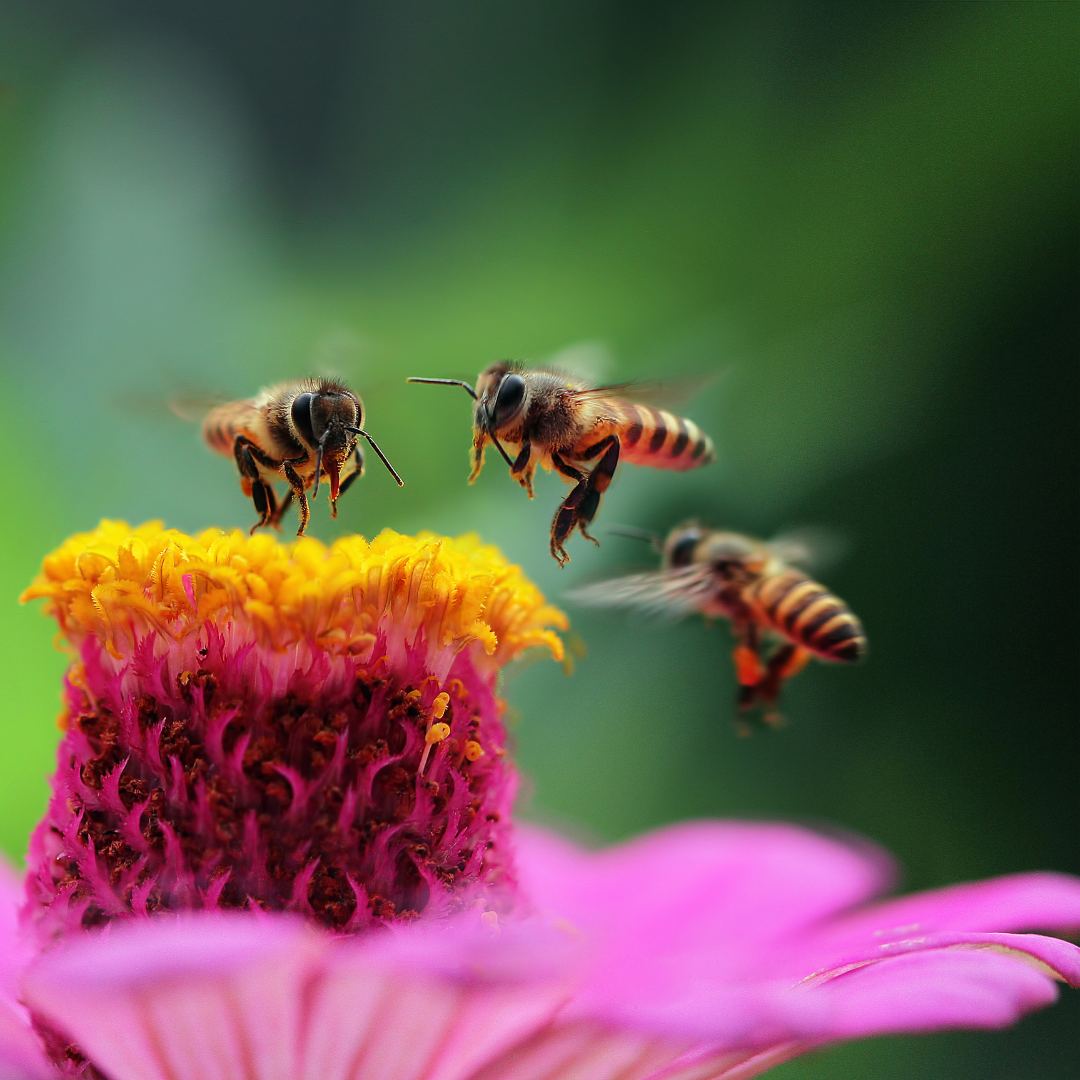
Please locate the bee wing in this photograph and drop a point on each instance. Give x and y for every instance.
(811, 548)
(590, 361)
(665, 394)
(670, 594)
(193, 408)
(188, 407)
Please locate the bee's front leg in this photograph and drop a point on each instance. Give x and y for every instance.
(297, 486)
(522, 470)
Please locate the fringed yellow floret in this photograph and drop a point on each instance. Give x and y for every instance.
(115, 581)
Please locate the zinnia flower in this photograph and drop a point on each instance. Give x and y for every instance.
(279, 848)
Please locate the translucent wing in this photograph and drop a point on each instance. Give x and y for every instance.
(811, 548)
(671, 594)
(154, 406)
(193, 407)
(665, 394)
(590, 361)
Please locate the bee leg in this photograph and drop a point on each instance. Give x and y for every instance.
(566, 515)
(520, 470)
(262, 505)
(786, 661)
(252, 483)
(279, 510)
(749, 673)
(599, 479)
(248, 453)
(297, 486)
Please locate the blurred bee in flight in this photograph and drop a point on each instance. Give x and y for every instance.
(753, 585)
(545, 416)
(299, 432)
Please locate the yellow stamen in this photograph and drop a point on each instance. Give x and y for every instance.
(437, 732)
(117, 582)
(473, 750)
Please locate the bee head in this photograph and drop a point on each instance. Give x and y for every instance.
(501, 396)
(681, 546)
(322, 418)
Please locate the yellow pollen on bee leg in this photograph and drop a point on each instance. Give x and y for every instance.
(748, 669)
(473, 750)
(439, 705)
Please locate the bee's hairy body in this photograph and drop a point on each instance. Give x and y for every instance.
(752, 585)
(758, 592)
(551, 419)
(297, 432)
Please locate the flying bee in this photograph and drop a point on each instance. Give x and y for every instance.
(545, 416)
(299, 432)
(753, 585)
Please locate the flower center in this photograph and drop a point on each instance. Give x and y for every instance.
(301, 729)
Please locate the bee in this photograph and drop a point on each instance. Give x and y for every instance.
(753, 585)
(545, 416)
(297, 431)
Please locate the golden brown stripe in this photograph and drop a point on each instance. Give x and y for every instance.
(796, 599)
(660, 431)
(633, 432)
(683, 438)
(776, 588)
(820, 609)
(840, 638)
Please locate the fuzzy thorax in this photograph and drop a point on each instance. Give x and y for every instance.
(288, 727)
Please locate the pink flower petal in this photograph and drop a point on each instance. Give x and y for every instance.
(20, 1049)
(194, 998)
(213, 997)
(21, 1056)
(725, 889)
(369, 1022)
(14, 950)
(585, 1051)
(1049, 902)
(929, 991)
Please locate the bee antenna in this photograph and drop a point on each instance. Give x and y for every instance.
(318, 466)
(382, 456)
(499, 446)
(445, 382)
(633, 533)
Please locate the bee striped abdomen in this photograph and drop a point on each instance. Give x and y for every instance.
(662, 440)
(223, 424)
(808, 614)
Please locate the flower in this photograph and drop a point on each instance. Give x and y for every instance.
(702, 951)
(294, 728)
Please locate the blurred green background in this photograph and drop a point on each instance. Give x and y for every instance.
(863, 217)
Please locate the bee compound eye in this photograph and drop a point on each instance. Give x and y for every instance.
(682, 551)
(510, 395)
(301, 417)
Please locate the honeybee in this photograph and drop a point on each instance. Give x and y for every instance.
(545, 416)
(752, 584)
(297, 431)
